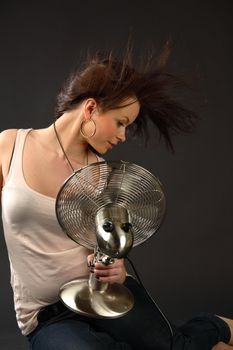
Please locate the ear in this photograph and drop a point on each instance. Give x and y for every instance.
(90, 106)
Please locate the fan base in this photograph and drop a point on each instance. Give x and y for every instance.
(113, 302)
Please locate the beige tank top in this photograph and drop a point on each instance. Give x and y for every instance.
(41, 256)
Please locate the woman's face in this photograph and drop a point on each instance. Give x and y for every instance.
(111, 125)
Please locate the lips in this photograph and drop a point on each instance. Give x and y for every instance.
(111, 144)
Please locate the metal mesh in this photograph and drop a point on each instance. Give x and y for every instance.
(98, 184)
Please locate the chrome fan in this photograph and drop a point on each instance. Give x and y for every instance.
(109, 207)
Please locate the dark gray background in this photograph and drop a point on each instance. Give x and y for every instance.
(187, 265)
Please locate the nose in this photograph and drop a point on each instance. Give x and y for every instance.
(121, 135)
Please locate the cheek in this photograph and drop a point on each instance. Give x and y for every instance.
(105, 130)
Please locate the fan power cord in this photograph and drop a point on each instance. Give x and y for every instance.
(153, 301)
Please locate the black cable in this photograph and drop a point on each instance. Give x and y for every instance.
(157, 307)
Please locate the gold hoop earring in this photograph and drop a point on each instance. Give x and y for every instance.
(84, 122)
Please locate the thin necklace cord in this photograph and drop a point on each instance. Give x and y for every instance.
(62, 148)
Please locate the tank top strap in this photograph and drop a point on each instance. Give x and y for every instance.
(17, 157)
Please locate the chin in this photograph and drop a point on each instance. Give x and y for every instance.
(94, 150)
(101, 153)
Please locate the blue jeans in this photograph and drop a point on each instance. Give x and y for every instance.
(142, 328)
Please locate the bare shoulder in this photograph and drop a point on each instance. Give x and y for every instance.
(7, 138)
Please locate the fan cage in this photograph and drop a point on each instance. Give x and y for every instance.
(98, 184)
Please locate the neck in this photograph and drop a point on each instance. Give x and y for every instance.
(69, 143)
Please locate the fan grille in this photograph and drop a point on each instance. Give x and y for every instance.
(122, 183)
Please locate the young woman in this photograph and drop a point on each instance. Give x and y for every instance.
(95, 108)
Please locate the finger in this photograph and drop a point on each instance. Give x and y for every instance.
(117, 263)
(109, 279)
(90, 259)
(106, 272)
(100, 266)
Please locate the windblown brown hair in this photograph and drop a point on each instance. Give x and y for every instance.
(111, 81)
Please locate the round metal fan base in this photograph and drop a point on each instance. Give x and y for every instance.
(114, 302)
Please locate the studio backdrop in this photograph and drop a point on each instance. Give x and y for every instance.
(187, 265)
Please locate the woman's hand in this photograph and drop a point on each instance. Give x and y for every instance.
(113, 273)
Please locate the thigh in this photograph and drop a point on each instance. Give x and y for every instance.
(72, 334)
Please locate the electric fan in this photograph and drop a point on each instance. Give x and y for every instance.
(109, 207)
